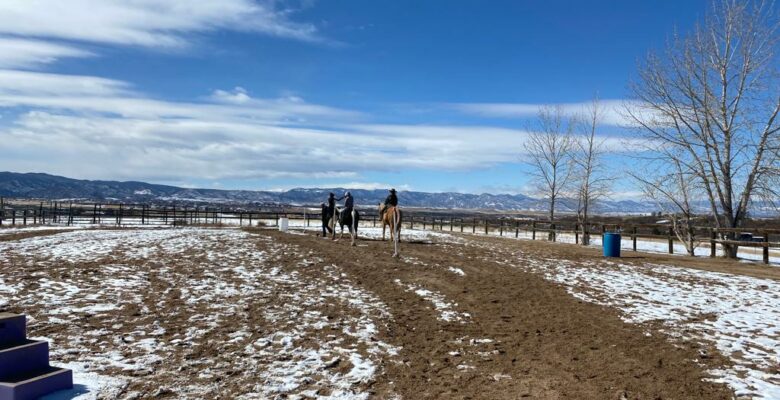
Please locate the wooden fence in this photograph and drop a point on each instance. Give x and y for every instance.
(71, 213)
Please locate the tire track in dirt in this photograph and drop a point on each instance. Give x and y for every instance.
(525, 338)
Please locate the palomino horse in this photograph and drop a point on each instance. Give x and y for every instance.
(392, 218)
(351, 220)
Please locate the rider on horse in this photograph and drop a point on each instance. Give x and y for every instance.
(349, 203)
(390, 201)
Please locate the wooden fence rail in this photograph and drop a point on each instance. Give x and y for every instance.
(72, 213)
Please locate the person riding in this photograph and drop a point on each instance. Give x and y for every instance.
(349, 203)
(390, 201)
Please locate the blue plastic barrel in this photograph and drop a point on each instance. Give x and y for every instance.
(611, 244)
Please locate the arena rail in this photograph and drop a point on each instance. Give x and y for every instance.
(73, 213)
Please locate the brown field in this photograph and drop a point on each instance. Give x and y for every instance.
(255, 313)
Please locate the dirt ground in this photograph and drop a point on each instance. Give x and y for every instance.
(199, 313)
(546, 344)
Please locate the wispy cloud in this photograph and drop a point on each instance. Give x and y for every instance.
(613, 110)
(79, 122)
(147, 23)
(26, 53)
(89, 94)
(37, 33)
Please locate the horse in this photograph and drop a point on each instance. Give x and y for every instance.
(351, 220)
(392, 218)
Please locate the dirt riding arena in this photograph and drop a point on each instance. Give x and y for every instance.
(253, 313)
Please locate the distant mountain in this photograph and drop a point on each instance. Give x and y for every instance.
(45, 186)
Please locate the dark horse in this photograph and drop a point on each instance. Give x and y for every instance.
(351, 220)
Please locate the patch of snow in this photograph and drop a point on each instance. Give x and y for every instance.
(445, 308)
(739, 315)
(87, 385)
(456, 271)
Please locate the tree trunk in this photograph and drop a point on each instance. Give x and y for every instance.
(551, 234)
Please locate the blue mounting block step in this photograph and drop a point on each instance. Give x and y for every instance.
(33, 386)
(25, 373)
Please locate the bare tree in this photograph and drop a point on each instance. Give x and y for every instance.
(712, 100)
(591, 181)
(675, 190)
(549, 148)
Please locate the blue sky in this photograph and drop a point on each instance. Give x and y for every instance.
(430, 96)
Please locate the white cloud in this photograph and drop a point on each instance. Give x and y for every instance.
(39, 85)
(238, 95)
(101, 128)
(25, 53)
(612, 110)
(107, 96)
(147, 23)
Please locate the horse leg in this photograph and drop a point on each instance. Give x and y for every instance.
(353, 227)
(397, 228)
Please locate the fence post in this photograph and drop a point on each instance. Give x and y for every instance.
(766, 247)
(473, 225)
(576, 233)
(552, 231)
(486, 226)
(501, 229)
(411, 222)
(277, 219)
(451, 224)
(373, 220)
(460, 222)
(713, 245)
(423, 218)
(517, 229)
(533, 230)
(633, 238)
(671, 241)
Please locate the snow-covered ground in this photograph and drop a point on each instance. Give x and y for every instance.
(644, 245)
(446, 309)
(118, 304)
(367, 230)
(738, 315)
(12, 230)
(407, 235)
(129, 303)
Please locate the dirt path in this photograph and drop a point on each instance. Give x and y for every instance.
(497, 332)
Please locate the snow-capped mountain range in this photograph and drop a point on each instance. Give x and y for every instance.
(51, 187)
